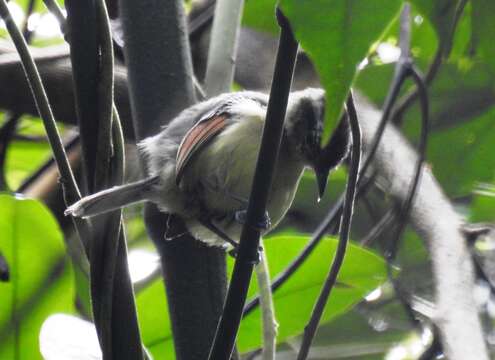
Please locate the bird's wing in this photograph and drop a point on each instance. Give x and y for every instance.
(196, 138)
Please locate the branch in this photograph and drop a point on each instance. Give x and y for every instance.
(160, 83)
(268, 153)
(435, 220)
(311, 327)
(268, 320)
(223, 46)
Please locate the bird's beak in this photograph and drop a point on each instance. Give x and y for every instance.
(321, 178)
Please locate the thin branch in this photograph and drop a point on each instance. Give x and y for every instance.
(223, 46)
(311, 327)
(408, 99)
(268, 320)
(6, 134)
(268, 153)
(41, 100)
(435, 220)
(378, 229)
(55, 9)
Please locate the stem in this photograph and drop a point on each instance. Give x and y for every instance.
(268, 320)
(249, 242)
(223, 46)
(42, 104)
(311, 327)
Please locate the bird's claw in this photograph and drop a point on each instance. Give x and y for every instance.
(264, 224)
(234, 251)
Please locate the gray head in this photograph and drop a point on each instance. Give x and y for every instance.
(304, 128)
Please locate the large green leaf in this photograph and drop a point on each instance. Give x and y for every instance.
(41, 280)
(337, 35)
(362, 272)
(484, 30)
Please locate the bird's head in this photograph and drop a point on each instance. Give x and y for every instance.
(304, 128)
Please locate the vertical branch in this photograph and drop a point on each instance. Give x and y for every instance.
(93, 79)
(249, 242)
(269, 323)
(160, 83)
(311, 327)
(223, 46)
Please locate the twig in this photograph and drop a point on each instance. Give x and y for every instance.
(41, 100)
(268, 320)
(223, 46)
(436, 221)
(378, 229)
(310, 329)
(69, 186)
(55, 9)
(270, 143)
(6, 133)
(408, 99)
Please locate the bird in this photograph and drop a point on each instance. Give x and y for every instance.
(201, 164)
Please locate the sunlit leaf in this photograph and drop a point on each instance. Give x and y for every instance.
(41, 281)
(337, 35)
(362, 272)
(24, 157)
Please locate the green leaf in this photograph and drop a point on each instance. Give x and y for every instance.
(260, 15)
(441, 14)
(337, 35)
(361, 273)
(23, 158)
(462, 155)
(41, 281)
(483, 206)
(483, 30)
(156, 331)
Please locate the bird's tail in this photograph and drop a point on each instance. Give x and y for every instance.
(113, 198)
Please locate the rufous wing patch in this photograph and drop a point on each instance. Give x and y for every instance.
(195, 139)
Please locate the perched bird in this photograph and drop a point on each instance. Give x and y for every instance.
(201, 164)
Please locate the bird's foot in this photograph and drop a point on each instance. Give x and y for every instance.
(233, 252)
(264, 224)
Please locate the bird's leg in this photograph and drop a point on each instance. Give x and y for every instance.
(264, 224)
(210, 225)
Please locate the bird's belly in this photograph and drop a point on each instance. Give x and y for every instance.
(227, 168)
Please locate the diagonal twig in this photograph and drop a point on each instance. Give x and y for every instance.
(312, 325)
(248, 248)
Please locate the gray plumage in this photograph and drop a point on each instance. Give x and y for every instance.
(217, 178)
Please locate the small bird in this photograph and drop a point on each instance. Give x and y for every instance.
(201, 164)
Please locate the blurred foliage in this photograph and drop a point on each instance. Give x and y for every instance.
(460, 153)
(41, 280)
(300, 291)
